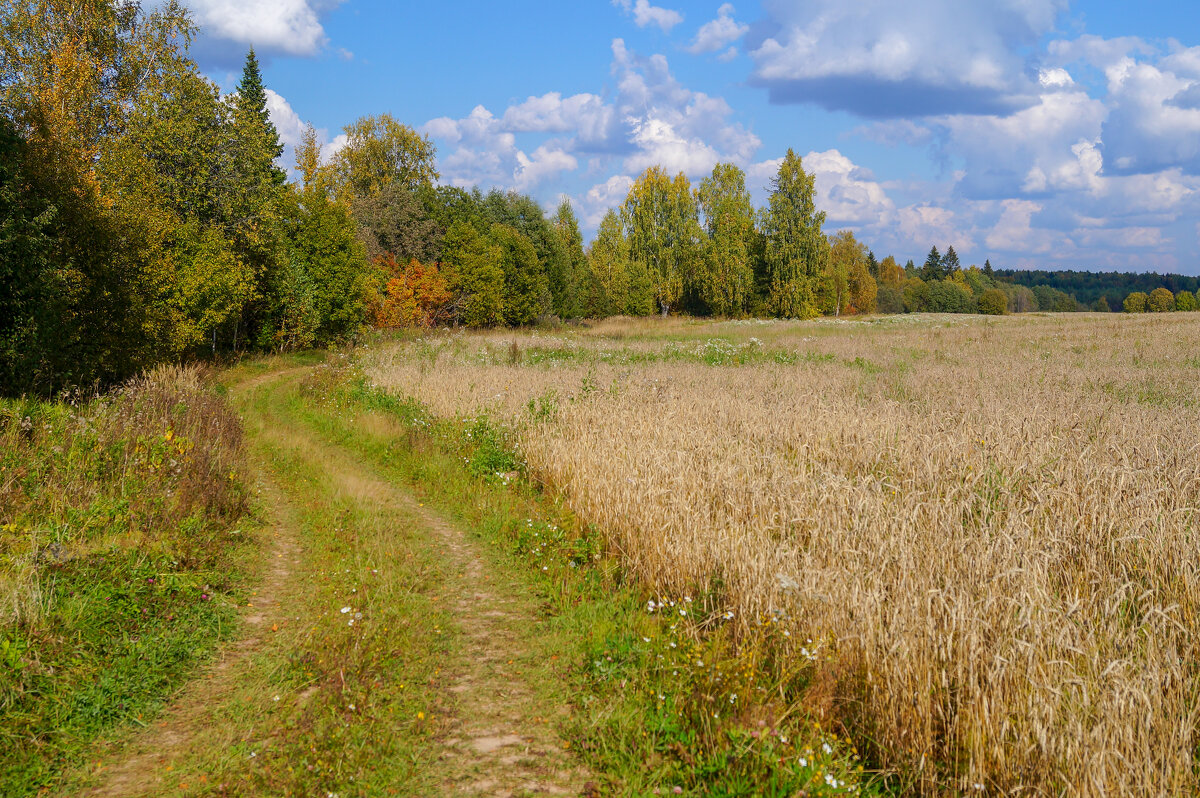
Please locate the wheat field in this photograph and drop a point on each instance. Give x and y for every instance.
(991, 521)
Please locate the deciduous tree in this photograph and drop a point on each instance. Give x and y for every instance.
(726, 279)
(796, 249)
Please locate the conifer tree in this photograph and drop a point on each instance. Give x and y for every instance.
(932, 270)
(950, 263)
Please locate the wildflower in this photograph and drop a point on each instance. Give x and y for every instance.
(276, 699)
(645, 640)
(345, 610)
(351, 707)
(803, 762)
(420, 716)
(825, 747)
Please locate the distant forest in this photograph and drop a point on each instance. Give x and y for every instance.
(146, 217)
(1088, 287)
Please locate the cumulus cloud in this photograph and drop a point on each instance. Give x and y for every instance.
(546, 162)
(878, 58)
(603, 196)
(847, 192)
(645, 14)
(285, 27)
(1154, 122)
(718, 33)
(649, 118)
(1050, 146)
(924, 225)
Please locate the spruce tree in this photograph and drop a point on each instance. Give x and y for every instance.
(932, 270)
(257, 136)
(950, 263)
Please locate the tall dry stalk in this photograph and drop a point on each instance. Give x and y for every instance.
(994, 523)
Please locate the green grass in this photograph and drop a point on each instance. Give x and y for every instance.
(120, 565)
(658, 701)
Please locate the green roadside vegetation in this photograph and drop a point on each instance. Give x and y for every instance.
(661, 700)
(123, 552)
(343, 690)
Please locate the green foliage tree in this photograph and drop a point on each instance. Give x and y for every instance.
(947, 296)
(526, 293)
(525, 215)
(1185, 300)
(1161, 300)
(950, 263)
(474, 275)
(1052, 300)
(727, 274)
(916, 296)
(32, 301)
(796, 250)
(381, 152)
(322, 240)
(570, 241)
(1101, 305)
(607, 289)
(663, 232)
(1137, 302)
(993, 302)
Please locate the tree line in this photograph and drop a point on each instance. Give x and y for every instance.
(144, 217)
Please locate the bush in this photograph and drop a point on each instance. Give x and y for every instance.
(993, 302)
(115, 523)
(1137, 302)
(1161, 300)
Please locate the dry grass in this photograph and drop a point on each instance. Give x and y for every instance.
(991, 524)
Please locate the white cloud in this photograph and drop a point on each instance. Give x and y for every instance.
(287, 122)
(1014, 232)
(292, 27)
(545, 163)
(879, 58)
(333, 147)
(650, 119)
(718, 33)
(1050, 146)
(1149, 128)
(645, 14)
(847, 193)
(603, 196)
(921, 226)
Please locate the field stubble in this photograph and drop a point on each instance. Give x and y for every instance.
(988, 525)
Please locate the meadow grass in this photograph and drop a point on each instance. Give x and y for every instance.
(976, 537)
(122, 551)
(647, 694)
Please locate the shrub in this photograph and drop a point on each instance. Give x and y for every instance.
(1161, 300)
(993, 302)
(1137, 302)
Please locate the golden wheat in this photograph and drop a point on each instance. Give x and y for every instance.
(994, 522)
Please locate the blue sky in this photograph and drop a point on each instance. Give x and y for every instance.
(1036, 133)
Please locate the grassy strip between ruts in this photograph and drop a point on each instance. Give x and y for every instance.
(334, 700)
(665, 700)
